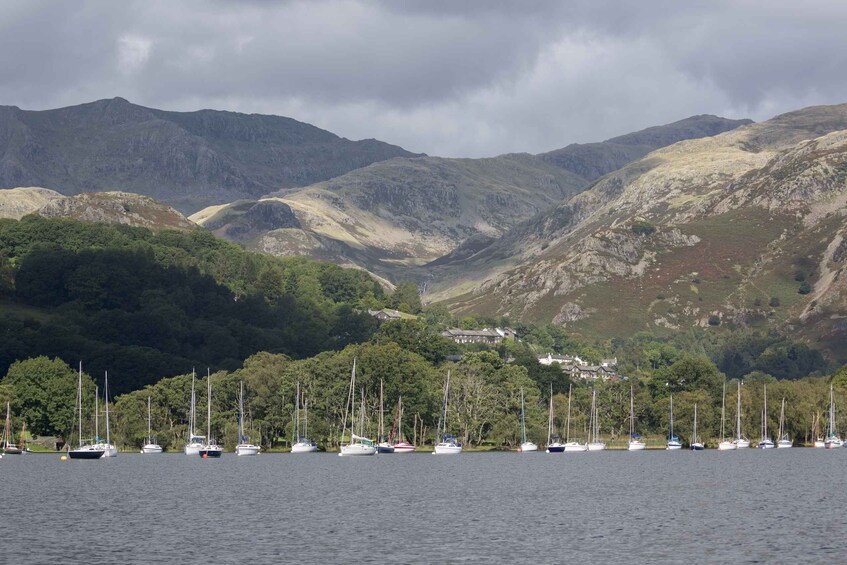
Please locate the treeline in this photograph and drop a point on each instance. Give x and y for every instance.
(483, 410)
(145, 304)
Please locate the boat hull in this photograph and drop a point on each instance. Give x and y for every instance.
(109, 450)
(766, 444)
(575, 447)
(385, 448)
(527, 447)
(819, 443)
(697, 447)
(447, 449)
(211, 452)
(597, 446)
(301, 447)
(246, 449)
(11, 450)
(833, 443)
(85, 453)
(356, 450)
(193, 449)
(636, 446)
(555, 448)
(673, 446)
(404, 447)
(784, 444)
(727, 446)
(151, 448)
(742, 443)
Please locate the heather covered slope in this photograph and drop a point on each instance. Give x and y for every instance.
(742, 228)
(186, 159)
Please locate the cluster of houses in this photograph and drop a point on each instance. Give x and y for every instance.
(572, 365)
(577, 368)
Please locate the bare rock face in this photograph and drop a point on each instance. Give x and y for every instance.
(16, 203)
(117, 208)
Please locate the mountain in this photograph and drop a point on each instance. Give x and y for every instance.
(593, 160)
(401, 213)
(745, 228)
(187, 159)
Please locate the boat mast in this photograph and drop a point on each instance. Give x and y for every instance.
(765, 415)
(305, 417)
(208, 408)
(192, 417)
(149, 432)
(97, 414)
(523, 421)
(106, 398)
(353, 401)
(297, 413)
(831, 412)
(550, 416)
(593, 417)
(694, 438)
(671, 436)
(381, 412)
(782, 419)
(568, 428)
(79, 402)
(241, 412)
(723, 413)
(631, 414)
(399, 418)
(738, 413)
(446, 392)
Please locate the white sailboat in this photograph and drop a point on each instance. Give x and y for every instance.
(401, 446)
(784, 441)
(85, 450)
(109, 449)
(595, 442)
(725, 445)
(210, 449)
(832, 440)
(696, 444)
(766, 442)
(553, 443)
(151, 446)
(673, 441)
(303, 443)
(740, 442)
(384, 445)
(358, 445)
(7, 445)
(635, 443)
(195, 442)
(448, 445)
(244, 446)
(526, 445)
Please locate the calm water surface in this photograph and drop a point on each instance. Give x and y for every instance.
(746, 507)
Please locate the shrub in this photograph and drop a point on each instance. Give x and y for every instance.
(643, 228)
(805, 288)
(774, 302)
(799, 276)
(714, 320)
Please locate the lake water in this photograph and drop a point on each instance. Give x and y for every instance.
(678, 507)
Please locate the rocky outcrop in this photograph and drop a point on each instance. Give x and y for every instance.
(16, 203)
(117, 208)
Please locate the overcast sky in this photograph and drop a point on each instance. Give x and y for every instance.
(445, 77)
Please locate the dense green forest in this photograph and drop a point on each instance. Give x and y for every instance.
(145, 304)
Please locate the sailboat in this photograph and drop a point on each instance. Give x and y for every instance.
(526, 445)
(358, 445)
(832, 440)
(195, 442)
(553, 443)
(634, 444)
(595, 442)
(740, 441)
(84, 450)
(384, 446)
(766, 442)
(448, 445)
(151, 446)
(784, 441)
(244, 446)
(303, 443)
(7, 445)
(572, 446)
(401, 446)
(673, 441)
(211, 447)
(696, 444)
(725, 445)
(109, 450)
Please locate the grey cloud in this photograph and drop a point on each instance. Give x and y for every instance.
(450, 78)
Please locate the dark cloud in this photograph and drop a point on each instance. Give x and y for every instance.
(451, 78)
